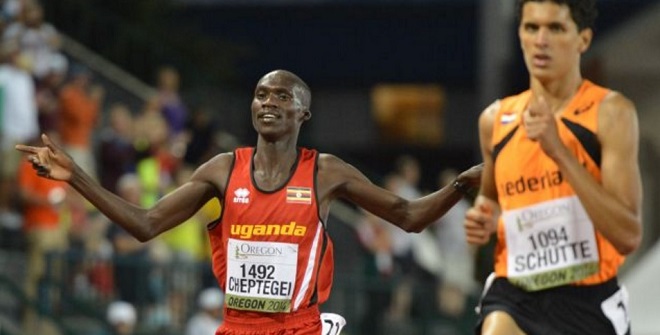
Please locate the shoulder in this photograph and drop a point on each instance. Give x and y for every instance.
(492, 109)
(616, 103)
(333, 167)
(488, 115)
(330, 163)
(615, 110)
(219, 160)
(216, 168)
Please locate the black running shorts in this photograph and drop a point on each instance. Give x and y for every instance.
(600, 309)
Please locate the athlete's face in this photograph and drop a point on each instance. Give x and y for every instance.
(550, 40)
(277, 106)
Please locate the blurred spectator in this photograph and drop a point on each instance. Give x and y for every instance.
(209, 316)
(116, 151)
(373, 234)
(458, 280)
(187, 245)
(38, 40)
(417, 255)
(11, 9)
(130, 255)
(122, 317)
(201, 133)
(171, 104)
(41, 202)
(156, 163)
(79, 115)
(18, 124)
(186, 241)
(48, 90)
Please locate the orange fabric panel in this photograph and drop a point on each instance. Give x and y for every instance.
(520, 160)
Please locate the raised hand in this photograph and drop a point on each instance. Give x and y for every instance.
(541, 125)
(49, 161)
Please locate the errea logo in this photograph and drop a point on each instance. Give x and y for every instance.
(241, 196)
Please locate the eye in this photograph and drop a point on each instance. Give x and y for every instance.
(284, 97)
(556, 28)
(260, 95)
(530, 28)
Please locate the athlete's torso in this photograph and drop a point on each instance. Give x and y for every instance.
(545, 238)
(270, 250)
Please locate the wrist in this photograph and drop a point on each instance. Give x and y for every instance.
(461, 186)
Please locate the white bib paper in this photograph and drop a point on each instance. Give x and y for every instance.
(550, 244)
(261, 276)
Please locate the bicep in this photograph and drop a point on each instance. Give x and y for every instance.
(619, 136)
(206, 183)
(344, 181)
(486, 118)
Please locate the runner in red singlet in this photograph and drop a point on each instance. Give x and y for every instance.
(271, 251)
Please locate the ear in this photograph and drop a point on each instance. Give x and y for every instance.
(586, 35)
(307, 114)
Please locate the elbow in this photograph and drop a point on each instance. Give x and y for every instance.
(147, 227)
(147, 233)
(143, 237)
(414, 229)
(629, 246)
(631, 243)
(144, 233)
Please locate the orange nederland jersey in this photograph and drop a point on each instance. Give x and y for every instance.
(545, 237)
(271, 253)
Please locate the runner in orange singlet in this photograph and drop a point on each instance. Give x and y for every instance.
(271, 251)
(561, 187)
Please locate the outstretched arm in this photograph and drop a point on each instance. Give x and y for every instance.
(52, 162)
(338, 179)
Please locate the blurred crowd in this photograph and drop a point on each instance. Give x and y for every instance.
(142, 154)
(138, 154)
(432, 273)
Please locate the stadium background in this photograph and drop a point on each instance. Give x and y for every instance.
(464, 52)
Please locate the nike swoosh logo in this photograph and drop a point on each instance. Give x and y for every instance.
(583, 109)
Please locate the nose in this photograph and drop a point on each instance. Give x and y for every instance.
(541, 38)
(269, 100)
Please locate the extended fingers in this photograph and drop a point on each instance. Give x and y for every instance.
(26, 148)
(48, 142)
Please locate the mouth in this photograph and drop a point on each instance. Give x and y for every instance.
(268, 116)
(541, 60)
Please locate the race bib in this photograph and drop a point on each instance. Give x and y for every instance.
(261, 276)
(550, 244)
(616, 310)
(332, 323)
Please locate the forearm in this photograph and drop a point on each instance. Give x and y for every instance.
(424, 211)
(132, 218)
(618, 223)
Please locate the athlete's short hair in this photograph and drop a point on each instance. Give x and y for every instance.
(583, 12)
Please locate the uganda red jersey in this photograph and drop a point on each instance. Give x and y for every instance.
(270, 249)
(545, 237)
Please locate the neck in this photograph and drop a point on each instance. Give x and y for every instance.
(274, 155)
(557, 93)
